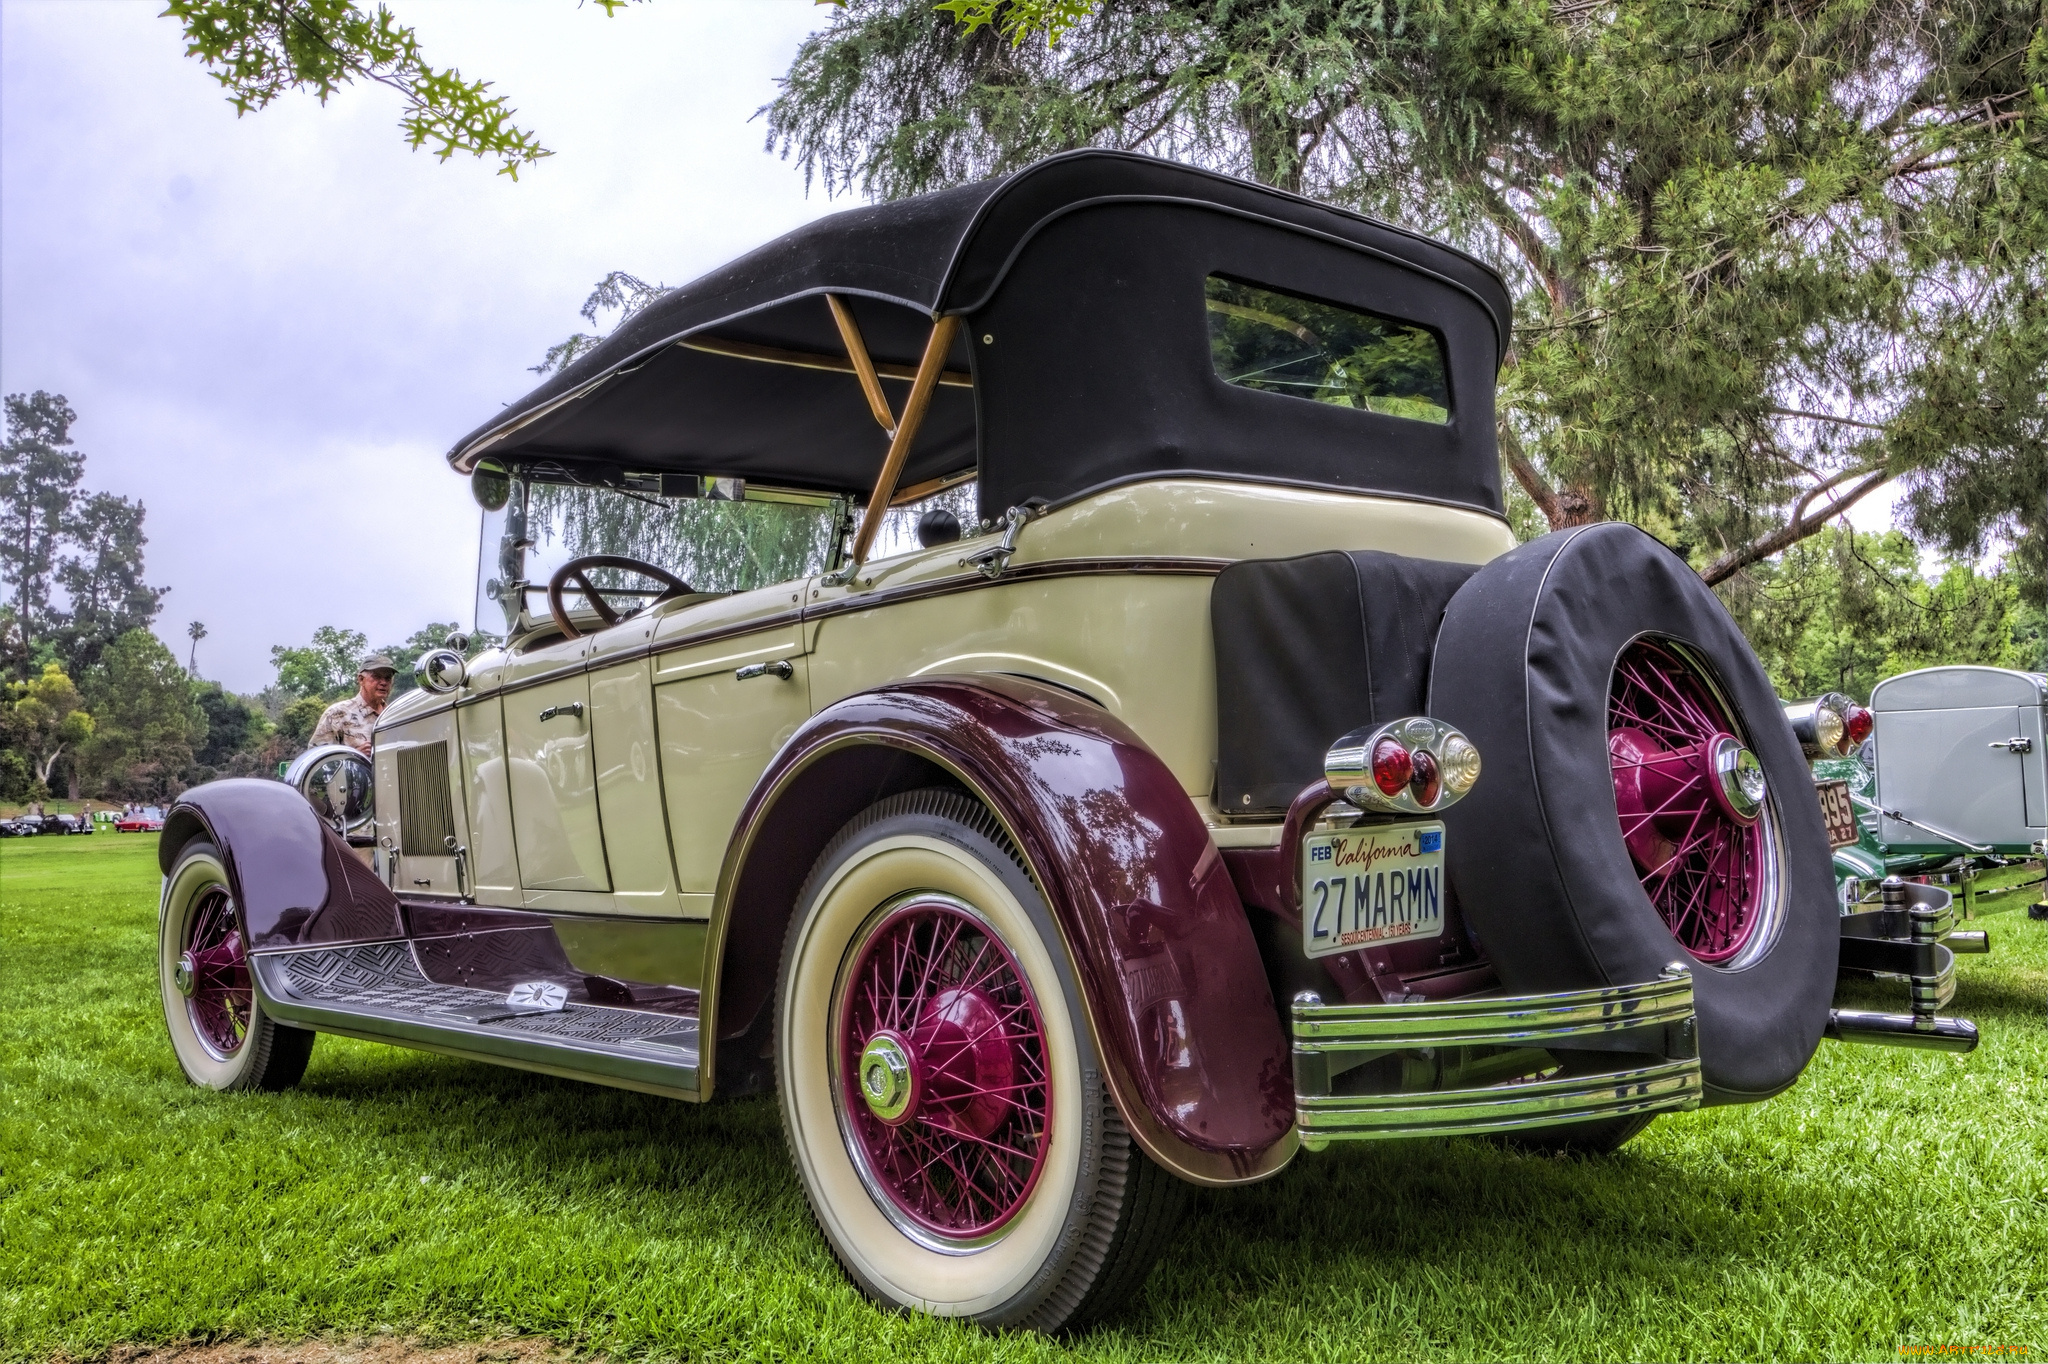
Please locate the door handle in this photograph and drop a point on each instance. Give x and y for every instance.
(2020, 744)
(573, 708)
(781, 668)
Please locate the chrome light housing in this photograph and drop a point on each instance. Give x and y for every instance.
(1827, 726)
(440, 670)
(1413, 766)
(337, 782)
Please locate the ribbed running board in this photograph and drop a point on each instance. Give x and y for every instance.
(378, 991)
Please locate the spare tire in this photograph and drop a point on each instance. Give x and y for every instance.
(1643, 800)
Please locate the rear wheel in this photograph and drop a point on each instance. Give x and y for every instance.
(219, 1032)
(942, 1096)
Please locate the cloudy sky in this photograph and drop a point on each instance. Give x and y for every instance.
(272, 328)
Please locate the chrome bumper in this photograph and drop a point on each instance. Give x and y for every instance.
(1440, 1088)
(1911, 937)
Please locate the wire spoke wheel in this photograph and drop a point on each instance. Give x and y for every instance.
(221, 999)
(220, 1032)
(943, 1081)
(1691, 799)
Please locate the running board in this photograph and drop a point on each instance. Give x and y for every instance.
(377, 991)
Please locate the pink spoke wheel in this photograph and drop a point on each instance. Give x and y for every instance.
(1691, 799)
(213, 976)
(943, 1088)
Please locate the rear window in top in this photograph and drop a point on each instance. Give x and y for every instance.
(1304, 348)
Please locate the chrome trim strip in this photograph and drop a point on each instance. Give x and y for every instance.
(1671, 1086)
(1514, 1020)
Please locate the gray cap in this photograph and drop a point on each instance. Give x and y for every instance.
(377, 663)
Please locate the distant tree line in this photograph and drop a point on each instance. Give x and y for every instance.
(93, 704)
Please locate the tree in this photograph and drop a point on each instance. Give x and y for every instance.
(1766, 256)
(195, 632)
(50, 719)
(258, 50)
(326, 667)
(1842, 611)
(147, 722)
(233, 725)
(39, 475)
(103, 582)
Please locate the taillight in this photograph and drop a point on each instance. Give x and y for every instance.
(1412, 766)
(1828, 730)
(1392, 766)
(1859, 722)
(1428, 782)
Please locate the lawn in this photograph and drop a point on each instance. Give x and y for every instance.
(1893, 1200)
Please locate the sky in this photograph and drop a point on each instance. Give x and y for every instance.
(272, 328)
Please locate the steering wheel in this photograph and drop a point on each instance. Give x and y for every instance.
(574, 575)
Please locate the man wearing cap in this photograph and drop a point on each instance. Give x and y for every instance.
(350, 721)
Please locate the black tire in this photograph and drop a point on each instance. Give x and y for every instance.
(1090, 1225)
(226, 1048)
(1523, 665)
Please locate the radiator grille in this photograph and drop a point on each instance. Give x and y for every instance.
(426, 819)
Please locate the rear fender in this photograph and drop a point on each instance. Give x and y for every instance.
(1175, 990)
(296, 883)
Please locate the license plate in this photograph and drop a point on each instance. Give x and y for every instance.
(1839, 812)
(1379, 884)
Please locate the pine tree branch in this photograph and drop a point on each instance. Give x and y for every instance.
(1796, 529)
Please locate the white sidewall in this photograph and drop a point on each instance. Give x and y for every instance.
(187, 883)
(946, 1284)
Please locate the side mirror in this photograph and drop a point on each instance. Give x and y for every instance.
(490, 483)
(337, 782)
(440, 670)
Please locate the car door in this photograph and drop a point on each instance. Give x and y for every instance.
(551, 773)
(627, 760)
(731, 684)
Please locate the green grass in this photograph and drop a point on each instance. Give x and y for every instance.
(1891, 1200)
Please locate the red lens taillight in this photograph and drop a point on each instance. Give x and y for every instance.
(1428, 781)
(1392, 768)
(1858, 722)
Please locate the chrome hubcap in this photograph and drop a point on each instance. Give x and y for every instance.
(185, 975)
(1738, 784)
(887, 1081)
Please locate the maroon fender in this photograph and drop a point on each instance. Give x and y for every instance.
(1177, 995)
(296, 882)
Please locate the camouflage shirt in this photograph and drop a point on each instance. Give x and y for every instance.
(346, 722)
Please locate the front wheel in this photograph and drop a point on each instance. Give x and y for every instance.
(219, 1032)
(943, 1100)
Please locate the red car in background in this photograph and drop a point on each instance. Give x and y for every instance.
(148, 820)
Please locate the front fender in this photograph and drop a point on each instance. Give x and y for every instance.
(1177, 997)
(295, 882)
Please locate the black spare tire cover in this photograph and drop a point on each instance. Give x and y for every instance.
(1523, 666)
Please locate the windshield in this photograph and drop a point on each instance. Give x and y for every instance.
(727, 538)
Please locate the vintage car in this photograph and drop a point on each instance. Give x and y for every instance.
(29, 826)
(147, 820)
(1130, 836)
(1965, 790)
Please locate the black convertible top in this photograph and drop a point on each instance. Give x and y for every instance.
(1083, 360)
